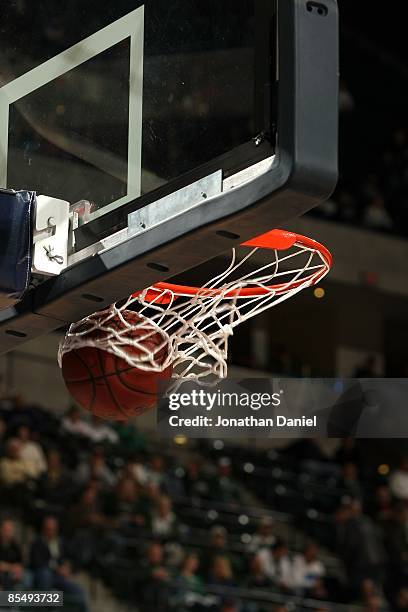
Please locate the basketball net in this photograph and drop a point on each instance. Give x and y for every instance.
(195, 323)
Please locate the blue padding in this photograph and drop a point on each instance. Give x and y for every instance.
(16, 240)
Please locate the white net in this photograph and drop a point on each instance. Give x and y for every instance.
(189, 328)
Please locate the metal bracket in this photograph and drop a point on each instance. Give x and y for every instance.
(51, 236)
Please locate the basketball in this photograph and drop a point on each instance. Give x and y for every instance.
(107, 385)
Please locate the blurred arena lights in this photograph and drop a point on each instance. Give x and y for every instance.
(319, 293)
(383, 469)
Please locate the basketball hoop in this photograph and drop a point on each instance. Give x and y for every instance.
(195, 323)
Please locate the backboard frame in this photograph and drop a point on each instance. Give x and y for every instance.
(302, 173)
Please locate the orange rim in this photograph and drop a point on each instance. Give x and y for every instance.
(279, 240)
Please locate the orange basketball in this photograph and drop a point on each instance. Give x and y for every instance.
(107, 385)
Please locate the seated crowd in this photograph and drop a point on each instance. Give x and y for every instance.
(170, 531)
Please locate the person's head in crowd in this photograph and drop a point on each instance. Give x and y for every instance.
(402, 600)
(134, 468)
(13, 449)
(127, 490)
(163, 506)
(348, 449)
(157, 463)
(3, 428)
(221, 570)
(400, 513)
(24, 434)
(224, 467)
(403, 465)
(280, 550)
(229, 605)
(97, 460)
(50, 528)
(193, 470)
(356, 508)
(53, 461)
(152, 491)
(310, 552)
(74, 414)
(89, 497)
(370, 596)
(383, 498)
(190, 565)
(97, 421)
(218, 537)
(155, 553)
(256, 567)
(265, 528)
(349, 471)
(94, 483)
(7, 531)
(343, 512)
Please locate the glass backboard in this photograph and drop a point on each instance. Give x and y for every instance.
(109, 104)
(174, 129)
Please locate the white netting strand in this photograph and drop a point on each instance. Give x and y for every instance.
(172, 325)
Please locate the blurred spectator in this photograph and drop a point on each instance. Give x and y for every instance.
(257, 578)
(15, 473)
(264, 536)
(223, 487)
(349, 481)
(24, 414)
(74, 424)
(156, 471)
(130, 439)
(220, 573)
(125, 506)
(401, 600)
(376, 215)
(87, 522)
(101, 432)
(395, 531)
(155, 578)
(31, 452)
(230, 606)
(3, 430)
(87, 512)
(399, 480)
(218, 546)
(11, 557)
(372, 598)
(163, 521)
(195, 483)
(308, 572)
(277, 565)
(50, 564)
(188, 579)
(136, 470)
(55, 486)
(95, 468)
(383, 507)
(359, 545)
